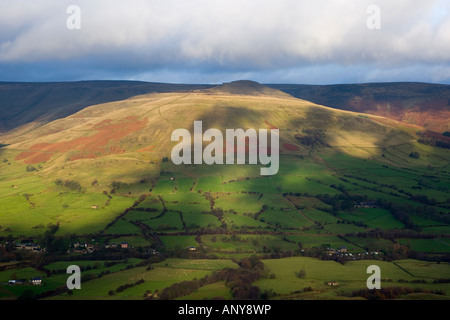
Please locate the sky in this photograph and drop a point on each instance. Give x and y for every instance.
(216, 41)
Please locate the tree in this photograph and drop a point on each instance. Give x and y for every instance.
(414, 155)
(301, 274)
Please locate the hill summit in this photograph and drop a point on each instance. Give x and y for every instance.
(246, 87)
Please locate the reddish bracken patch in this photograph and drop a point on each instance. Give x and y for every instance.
(147, 149)
(89, 147)
(290, 147)
(271, 126)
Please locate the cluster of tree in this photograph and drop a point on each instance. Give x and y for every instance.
(238, 280)
(277, 255)
(390, 293)
(391, 234)
(128, 285)
(441, 280)
(257, 214)
(434, 139)
(69, 184)
(30, 168)
(181, 289)
(301, 274)
(340, 187)
(341, 201)
(54, 244)
(96, 265)
(402, 214)
(423, 199)
(428, 257)
(7, 253)
(208, 196)
(414, 155)
(118, 253)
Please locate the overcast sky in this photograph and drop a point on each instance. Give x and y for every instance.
(215, 41)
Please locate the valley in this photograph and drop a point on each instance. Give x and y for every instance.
(98, 188)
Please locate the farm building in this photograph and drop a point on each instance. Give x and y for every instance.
(36, 281)
(365, 204)
(332, 283)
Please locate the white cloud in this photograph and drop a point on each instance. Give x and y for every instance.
(239, 35)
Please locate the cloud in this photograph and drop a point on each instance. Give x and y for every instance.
(170, 38)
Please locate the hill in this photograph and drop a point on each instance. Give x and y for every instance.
(422, 104)
(352, 190)
(246, 87)
(25, 106)
(146, 121)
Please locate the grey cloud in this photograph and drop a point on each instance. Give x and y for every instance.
(245, 37)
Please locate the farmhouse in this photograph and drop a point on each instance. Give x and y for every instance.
(36, 281)
(191, 248)
(343, 249)
(28, 245)
(83, 248)
(365, 204)
(124, 245)
(332, 283)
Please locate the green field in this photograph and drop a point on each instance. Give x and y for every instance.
(345, 180)
(211, 291)
(428, 245)
(351, 276)
(373, 218)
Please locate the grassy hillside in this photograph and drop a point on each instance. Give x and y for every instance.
(421, 104)
(347, 190)
(25, 106)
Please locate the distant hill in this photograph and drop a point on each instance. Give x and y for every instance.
(246, 87)
(25, 106)
(421, 104)
(144, 124)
